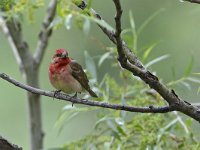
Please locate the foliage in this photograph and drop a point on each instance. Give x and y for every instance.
(120, 129)
(124, 130)
(17, 8)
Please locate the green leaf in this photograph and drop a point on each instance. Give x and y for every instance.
(154, 61)
(194, 80)
(120, 130)
(173, 72)
(119, 121)
(187, 85)
(198, 91)
(103, 58)
(133, 29)
(68, 118)
(59, 11)
(196, 73)
(176, 81)
(104, 119)
(148, 51)
(188, 69)
(68, 113)
(68, 21)
(111, 125)
(98, 21)
(89, 4)
(171, 124)
(86, 26)
(90, 65)
(132, 22)
(77, 2)
(148, 20)
(188, 122)
(126, 31)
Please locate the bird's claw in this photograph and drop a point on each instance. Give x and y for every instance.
(74, 96)
(55, 93)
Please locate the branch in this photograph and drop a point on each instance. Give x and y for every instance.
(13, 32)
(121, 55)
(10, 40)
(45, 33)
(6, 145)
(134, 65)
(193, 1)
(111, 35)
(64, 97)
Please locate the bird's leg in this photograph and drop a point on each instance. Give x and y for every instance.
(74, 96)
(55, 93)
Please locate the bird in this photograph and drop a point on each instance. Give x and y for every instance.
(67, 75)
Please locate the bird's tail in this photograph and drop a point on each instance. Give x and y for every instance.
(92, 93)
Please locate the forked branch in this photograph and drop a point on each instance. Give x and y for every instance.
(130, 62)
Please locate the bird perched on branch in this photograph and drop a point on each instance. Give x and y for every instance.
(66, 75)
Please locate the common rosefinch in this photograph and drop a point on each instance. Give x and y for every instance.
(67, 75)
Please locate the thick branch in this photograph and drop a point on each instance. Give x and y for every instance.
(64, 97)
(13, 31)
(45, 32)
(136, 67)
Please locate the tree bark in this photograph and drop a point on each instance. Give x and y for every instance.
(34, 109)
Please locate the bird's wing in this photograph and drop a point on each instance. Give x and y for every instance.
(80, 76)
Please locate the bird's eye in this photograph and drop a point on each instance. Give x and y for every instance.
(58, 55)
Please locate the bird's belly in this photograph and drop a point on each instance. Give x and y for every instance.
(66, 82)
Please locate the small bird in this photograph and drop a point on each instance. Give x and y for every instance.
(66, 75)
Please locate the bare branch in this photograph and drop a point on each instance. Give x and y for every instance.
(121, 55)
(11, 42)
(64, 97)
(45, 32)
(13, 32)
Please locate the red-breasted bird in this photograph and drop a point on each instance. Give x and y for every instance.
(67, 75)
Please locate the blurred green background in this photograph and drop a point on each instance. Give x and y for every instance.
(176, 28)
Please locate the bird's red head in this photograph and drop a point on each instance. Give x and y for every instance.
(60, 57)
(60, 53)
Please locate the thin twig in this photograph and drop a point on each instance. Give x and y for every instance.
(64, 97)
(45, 32)
(121, 55)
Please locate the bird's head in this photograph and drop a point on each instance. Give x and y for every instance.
(60, 57)
(60, 53)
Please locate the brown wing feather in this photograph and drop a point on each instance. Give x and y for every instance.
(80, 76)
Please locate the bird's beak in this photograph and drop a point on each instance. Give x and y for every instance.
(64, 55)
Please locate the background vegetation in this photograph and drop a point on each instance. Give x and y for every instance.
(153, 29)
